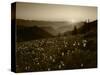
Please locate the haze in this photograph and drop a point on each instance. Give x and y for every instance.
(54, 12)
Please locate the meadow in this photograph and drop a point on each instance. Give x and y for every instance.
(57, 53)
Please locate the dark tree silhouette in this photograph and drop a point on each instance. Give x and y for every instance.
(74, 32)
(59, 34)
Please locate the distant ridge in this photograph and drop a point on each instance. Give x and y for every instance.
(52, 27)
(23, 22)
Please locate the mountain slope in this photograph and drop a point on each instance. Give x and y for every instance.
(50, 30)
(89, 29)
(53, 27)
(86, 29)
(31, 33)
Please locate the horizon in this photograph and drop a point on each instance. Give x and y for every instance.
(60, 27)
(58, 21)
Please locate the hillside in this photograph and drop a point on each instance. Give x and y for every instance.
(50, 30)
(89, 29)
(85, 29)
(31, 33)
(53, 27)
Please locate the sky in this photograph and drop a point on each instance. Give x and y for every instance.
(55, 12)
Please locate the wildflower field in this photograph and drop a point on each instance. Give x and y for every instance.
(58, 53)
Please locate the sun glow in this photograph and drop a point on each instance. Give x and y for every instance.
(73, 21)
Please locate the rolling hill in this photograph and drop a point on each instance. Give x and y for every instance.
(31, 33)
(89, 29)
(53, 27)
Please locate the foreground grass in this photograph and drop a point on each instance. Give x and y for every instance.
(56, 54)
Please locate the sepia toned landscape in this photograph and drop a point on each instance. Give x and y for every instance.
(53, 37)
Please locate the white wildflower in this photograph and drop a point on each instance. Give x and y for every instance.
(38, 63)
(66, 42)
(50, 57)
(74, 44)
(78, 43)
(62, 63)
(62, 53)
(53, 60)
(65, 45)
(84, 41)
(82, 65)
(84, 44)
(72, 51)
(48, 69)
(59, 66)
(27, 67)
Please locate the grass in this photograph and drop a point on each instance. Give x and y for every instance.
(59, 53)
